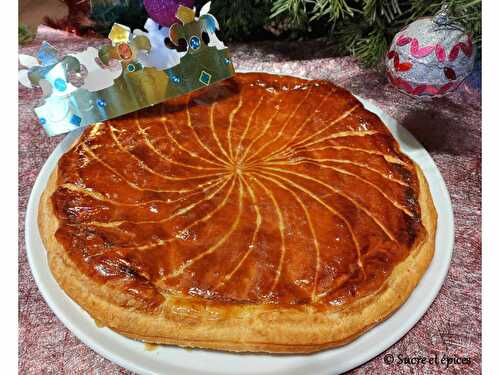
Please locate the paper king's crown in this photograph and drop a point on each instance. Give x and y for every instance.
(137, 70)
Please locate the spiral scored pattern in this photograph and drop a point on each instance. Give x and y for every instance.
(260, 189)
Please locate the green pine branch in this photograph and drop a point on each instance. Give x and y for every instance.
(365, 28)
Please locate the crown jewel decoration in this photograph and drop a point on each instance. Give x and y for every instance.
(135, 71)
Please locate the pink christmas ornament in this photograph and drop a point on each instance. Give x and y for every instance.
(430, 57)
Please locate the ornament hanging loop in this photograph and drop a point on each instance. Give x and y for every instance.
(442, 18)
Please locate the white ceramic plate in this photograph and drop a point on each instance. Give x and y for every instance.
(172, 360)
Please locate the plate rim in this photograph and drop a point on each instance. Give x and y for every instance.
(397, 130)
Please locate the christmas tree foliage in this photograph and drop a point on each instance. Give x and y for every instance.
(362, 28)
(365, 28)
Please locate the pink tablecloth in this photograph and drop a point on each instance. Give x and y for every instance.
(449, 128)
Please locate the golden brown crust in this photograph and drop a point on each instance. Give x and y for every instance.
(191, 322)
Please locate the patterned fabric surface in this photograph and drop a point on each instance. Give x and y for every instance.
(449, 128)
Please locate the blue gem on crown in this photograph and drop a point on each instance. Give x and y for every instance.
(194, 42)
(75, 120)
(60, 84)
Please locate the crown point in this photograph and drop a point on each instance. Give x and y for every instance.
(47, 54)
(185, 14)
(119, 33)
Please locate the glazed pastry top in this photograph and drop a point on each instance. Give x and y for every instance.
(260, 189)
